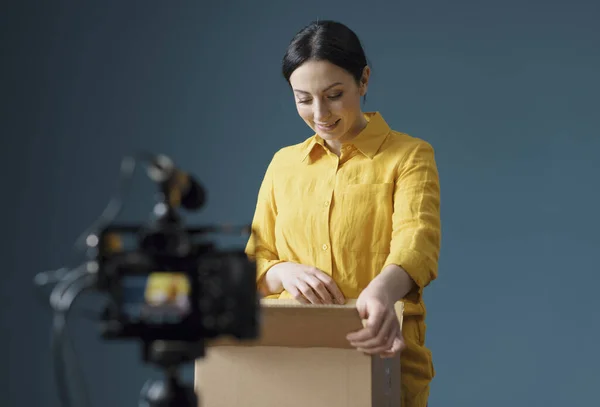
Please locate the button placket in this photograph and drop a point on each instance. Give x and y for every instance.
(326, 205)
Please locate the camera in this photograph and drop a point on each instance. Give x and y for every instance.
(167, 285)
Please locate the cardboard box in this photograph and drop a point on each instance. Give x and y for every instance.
(302, 359)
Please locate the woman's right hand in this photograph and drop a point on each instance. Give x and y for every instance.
(306, 284)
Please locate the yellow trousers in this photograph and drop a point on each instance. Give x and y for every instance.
(420, 400)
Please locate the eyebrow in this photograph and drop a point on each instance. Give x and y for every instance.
(324, 90)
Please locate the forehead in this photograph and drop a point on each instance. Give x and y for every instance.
(314, 76)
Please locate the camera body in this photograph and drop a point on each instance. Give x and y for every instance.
(167, 285)
(167, 282)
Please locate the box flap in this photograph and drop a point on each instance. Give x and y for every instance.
(289, 323)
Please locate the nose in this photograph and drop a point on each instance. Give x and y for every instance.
(321, 111)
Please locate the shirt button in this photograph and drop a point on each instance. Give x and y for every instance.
(326, 204)
(325, 247)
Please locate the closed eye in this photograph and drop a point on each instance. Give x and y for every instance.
(332, 97)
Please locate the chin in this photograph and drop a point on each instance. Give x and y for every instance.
(326, 135)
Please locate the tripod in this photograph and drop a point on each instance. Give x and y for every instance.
(170, 392)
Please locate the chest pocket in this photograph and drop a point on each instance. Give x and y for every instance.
(367, 217)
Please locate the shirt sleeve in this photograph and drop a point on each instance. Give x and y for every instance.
(261, 246)
(416, 225)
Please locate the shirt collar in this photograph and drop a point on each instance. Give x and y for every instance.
(368, 141)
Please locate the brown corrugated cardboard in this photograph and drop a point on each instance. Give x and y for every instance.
(302, 358)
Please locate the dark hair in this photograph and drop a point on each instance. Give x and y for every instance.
(325, 41)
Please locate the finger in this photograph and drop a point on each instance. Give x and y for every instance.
(397, 346)
(392, 346)
(373, 325)
(387, 354)
(381, 336)
(308, 293)
(332, 287)
(298, 295)
(319, 287)
(388, 345)
(393, 337)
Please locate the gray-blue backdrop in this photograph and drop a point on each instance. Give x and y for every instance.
(507, 93)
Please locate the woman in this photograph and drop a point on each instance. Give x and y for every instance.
(353, 211)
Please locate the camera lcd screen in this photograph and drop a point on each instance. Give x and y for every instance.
(156, 298)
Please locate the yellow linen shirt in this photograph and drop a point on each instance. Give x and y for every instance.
(350, 216)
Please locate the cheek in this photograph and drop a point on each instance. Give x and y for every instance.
(304, 112)
(341, 108)
(348, 107)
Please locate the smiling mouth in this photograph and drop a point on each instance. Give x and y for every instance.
(327, 127)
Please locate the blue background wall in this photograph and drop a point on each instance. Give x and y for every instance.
(507, 93)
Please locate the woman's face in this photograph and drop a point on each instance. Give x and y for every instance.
(328, 99)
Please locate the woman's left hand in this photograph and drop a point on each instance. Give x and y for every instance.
(382, 334)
